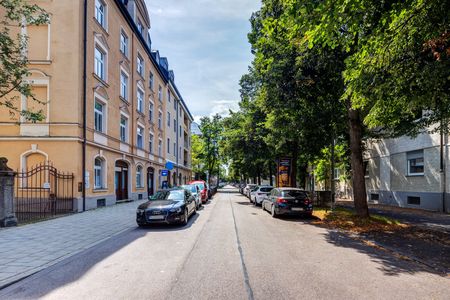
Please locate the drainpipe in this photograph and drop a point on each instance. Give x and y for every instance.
(177, 133)
(83, 175)
(443, 166)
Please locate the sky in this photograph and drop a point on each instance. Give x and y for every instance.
(207, 47)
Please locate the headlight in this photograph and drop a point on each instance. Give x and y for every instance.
(175, 210)
(140, 211)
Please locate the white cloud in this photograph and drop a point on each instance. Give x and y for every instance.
(206, 44)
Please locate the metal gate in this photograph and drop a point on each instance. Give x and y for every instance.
(42, 193)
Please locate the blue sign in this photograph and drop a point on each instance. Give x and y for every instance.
(169, 165)
(164, 172)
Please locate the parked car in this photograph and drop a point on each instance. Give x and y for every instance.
(204, 190)
(250, 190)
(258, 195)
(288, 201)
(167, 206)
(195, 190)
(247, 188)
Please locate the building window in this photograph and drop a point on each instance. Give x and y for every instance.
(140, 27)
(175, 149)
(124, 43)
(160, 120)
(151, 81)
(100, 12)
(160, 148)
(168, 95)
(366, 168)
(337, 174)
(160, 93)
(139, 177)
(180, 131)
(123, 85)
(175, 105)
(150, 111)
(140, 137)
(150, 143)
(98, 173)
(123, 129)
(416, 164)
(100, 63)
(99, 117)
(140, 100)
(168, 145)
(175, 126)
(413, 200)
(168, 119)
(140, 65)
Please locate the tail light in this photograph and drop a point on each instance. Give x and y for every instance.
(307, 201)
(281, 200)
(260, 194)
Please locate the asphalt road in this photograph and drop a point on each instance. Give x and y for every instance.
(232, 250)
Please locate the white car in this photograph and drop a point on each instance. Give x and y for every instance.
(257, 196)
(247, 189)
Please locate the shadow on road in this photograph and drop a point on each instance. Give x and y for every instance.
(170, 227)
(75, 267)
(390, 262)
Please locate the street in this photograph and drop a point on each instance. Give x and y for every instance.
(232, 250)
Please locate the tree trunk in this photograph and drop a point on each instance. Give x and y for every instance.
(294, 164)
(270, 174)
(259, 178)
(359, 184)
(254, 180)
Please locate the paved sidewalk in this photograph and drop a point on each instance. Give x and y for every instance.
(30, 248)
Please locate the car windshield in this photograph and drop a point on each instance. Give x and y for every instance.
(295, 194)
(192, 188)
(253, 188)
(201, 186)
(177, 195)
(266, 189)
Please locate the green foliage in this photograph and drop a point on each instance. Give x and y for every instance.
(13, 60)
(209, 156)
(322, 164)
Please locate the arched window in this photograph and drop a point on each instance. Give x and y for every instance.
(99, 181)
(139, 177)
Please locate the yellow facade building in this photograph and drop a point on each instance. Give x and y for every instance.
(114, 115)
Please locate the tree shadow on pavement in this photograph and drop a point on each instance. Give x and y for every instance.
(75, 267)
(392, 261)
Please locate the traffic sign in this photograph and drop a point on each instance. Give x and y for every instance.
(169, 165)
(165, 173)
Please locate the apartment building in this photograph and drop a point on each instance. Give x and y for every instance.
(113, 114)
(409, 172)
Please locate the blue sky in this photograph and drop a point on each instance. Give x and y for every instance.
(207, 47)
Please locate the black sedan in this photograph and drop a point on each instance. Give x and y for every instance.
(167, 206)
(288, 201)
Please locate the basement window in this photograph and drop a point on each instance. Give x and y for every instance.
(374, 197)
(413, 200)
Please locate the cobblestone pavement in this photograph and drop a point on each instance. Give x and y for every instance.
(30, 248)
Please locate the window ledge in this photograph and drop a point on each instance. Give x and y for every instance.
(124, 100)
(140, 188)
(101, 80)
(416, 175)
(105, 30)
(100, 190)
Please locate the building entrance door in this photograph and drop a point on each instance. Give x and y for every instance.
(121, 180)
(150, 181)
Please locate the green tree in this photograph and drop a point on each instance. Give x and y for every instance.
(211, 129)
(13, 60)
(198, 167)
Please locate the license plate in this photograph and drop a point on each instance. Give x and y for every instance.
(156, 218)
(297, 209)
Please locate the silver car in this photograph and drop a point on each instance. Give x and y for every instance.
(195, 191)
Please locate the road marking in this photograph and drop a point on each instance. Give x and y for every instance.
(241, 254)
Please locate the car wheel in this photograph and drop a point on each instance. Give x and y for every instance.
(185, 217)
(273, 212)
(262, 206)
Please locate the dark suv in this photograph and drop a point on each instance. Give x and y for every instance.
(288, 201)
